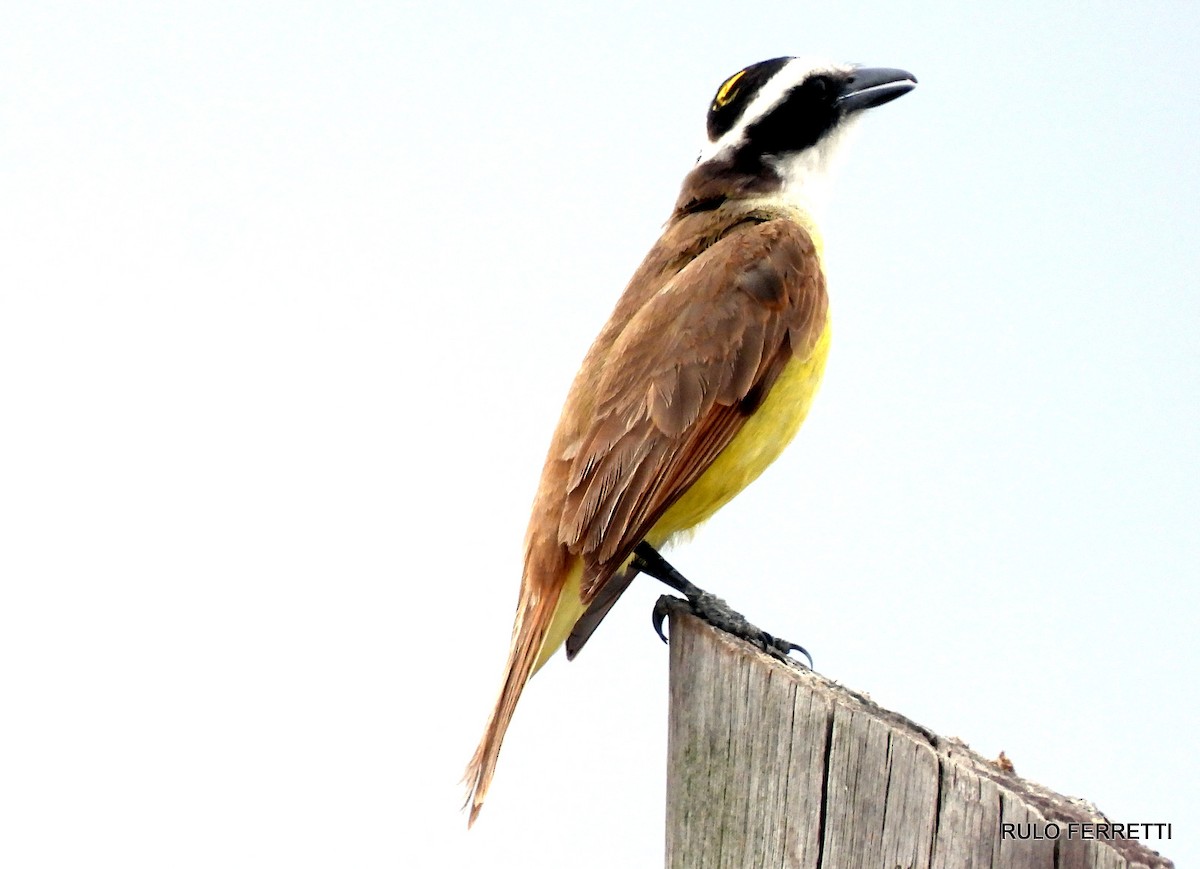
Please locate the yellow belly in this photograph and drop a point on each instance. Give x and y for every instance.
(761, 440)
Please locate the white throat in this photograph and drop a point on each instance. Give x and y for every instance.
(808, 175)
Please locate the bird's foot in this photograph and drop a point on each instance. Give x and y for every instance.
(714, 610)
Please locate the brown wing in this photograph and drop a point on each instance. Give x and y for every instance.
(679, 383)
(605, 599)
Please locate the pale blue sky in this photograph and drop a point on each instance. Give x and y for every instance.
(290, 295)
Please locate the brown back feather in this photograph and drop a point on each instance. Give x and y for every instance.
(679, 382)
(700, 335)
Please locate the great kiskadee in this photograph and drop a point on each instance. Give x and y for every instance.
(704, 371)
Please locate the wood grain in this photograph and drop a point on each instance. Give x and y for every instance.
(771, 765)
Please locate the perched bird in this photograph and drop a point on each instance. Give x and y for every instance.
(703, 373)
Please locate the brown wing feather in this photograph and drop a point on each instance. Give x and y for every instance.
(680, 381)
(709, 320)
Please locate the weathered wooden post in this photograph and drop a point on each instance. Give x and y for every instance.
(770, 765)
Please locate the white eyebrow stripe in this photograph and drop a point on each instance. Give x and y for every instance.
(796, 70)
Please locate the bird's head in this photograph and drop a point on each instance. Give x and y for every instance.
(774, 127)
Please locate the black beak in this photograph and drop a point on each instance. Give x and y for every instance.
(867, 88)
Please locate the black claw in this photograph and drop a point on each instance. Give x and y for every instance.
(659, 614)
(787, 649)
(803, 651)
(706, 606)
(783, 648)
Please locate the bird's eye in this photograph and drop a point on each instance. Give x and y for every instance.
(819, 84)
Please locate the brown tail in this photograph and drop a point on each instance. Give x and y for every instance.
(535, 610)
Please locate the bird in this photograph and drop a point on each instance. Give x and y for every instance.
(703, 373)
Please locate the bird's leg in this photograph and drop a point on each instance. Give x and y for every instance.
(708, 607)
